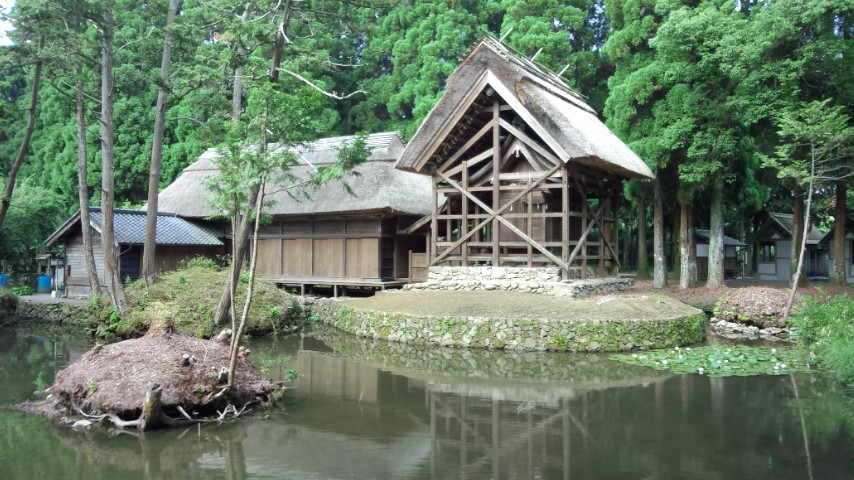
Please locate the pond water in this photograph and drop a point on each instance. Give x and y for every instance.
(361, 409)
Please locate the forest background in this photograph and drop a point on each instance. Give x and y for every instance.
(701, 90)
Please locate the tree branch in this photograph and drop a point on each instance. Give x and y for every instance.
(312, 85)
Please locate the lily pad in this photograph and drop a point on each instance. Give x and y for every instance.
(722, 361)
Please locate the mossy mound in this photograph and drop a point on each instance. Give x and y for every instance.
(191, 296)
(8, 304)
(760, 306)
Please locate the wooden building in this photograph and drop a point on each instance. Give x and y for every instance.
(827, 244)
(177, 240)
(523, 171)
(773, 244)
(732, 264)
(330, 236)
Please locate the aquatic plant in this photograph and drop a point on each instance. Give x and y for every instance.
(724, 361)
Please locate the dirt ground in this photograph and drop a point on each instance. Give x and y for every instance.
(495, 304)
(640, 303)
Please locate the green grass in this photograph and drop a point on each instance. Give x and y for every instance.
(190, 296)
(826, 334)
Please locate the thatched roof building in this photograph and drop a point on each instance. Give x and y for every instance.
(532, 177)
(548, 109)
(332, 235)
(377, 188)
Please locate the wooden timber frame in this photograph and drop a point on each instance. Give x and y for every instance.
(509, 201)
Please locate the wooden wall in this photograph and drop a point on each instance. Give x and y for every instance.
(358, 247)
(74, 258)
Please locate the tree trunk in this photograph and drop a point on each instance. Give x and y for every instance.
(798, 227)
(659, 273)
(643, 268)
(108, 237)
(88, 253)
(250, 288)
(838, 275)
(692, 248)
(148, 252)
(25, 142)
(715, 276)
(677, 257)
(685, 233)
(803, 243)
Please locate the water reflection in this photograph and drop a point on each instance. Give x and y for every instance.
(364, 409)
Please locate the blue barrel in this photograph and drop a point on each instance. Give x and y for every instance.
(44, 283)
(4, 280)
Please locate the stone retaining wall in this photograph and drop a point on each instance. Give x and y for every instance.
(60, 312)
(543, 280)
(513, 334)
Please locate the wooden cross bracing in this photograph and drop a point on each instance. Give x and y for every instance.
(467, 182)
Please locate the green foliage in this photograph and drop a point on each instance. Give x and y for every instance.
(826, 333)
(291, 374)
(201, 262)
(22, 290)
(40, 382)
(34, 214)
(91, 386)
(720, 361)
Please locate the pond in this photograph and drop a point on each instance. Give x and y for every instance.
(360, 409)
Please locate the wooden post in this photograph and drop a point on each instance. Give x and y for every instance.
(564, 221)
(530, 227)
(434, 223)
(464, 228)
(496, 183)
(603, 230)
(583, 240)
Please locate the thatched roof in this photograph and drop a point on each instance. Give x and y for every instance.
(129, 226)
(779, 227)
(378, 187)
(567, 126)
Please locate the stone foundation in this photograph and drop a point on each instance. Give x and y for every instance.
(542, 280)
(517, 334)
(741, 331)
(59, 312)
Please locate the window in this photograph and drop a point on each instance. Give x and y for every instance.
(767, 253)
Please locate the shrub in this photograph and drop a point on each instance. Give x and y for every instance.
(22, 290)
(759, 306)
(826, 332)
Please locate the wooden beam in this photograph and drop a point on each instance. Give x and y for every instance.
(582, 243)
(451, 123)
(466, 146)
(434, 223)
(529, 141)
(418, 224)
(598, 221)
(496, 184)
(464, 228)
(496, 216)
(470, 162)
(477, 202)
(564, 221)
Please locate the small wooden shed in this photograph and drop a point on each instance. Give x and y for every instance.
(827, 242)
(773, 244)
(334, 236)
(177, 239)
(523, 171)
(732, 265)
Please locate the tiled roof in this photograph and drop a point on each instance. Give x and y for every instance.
(728, 241)
(129, 227)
